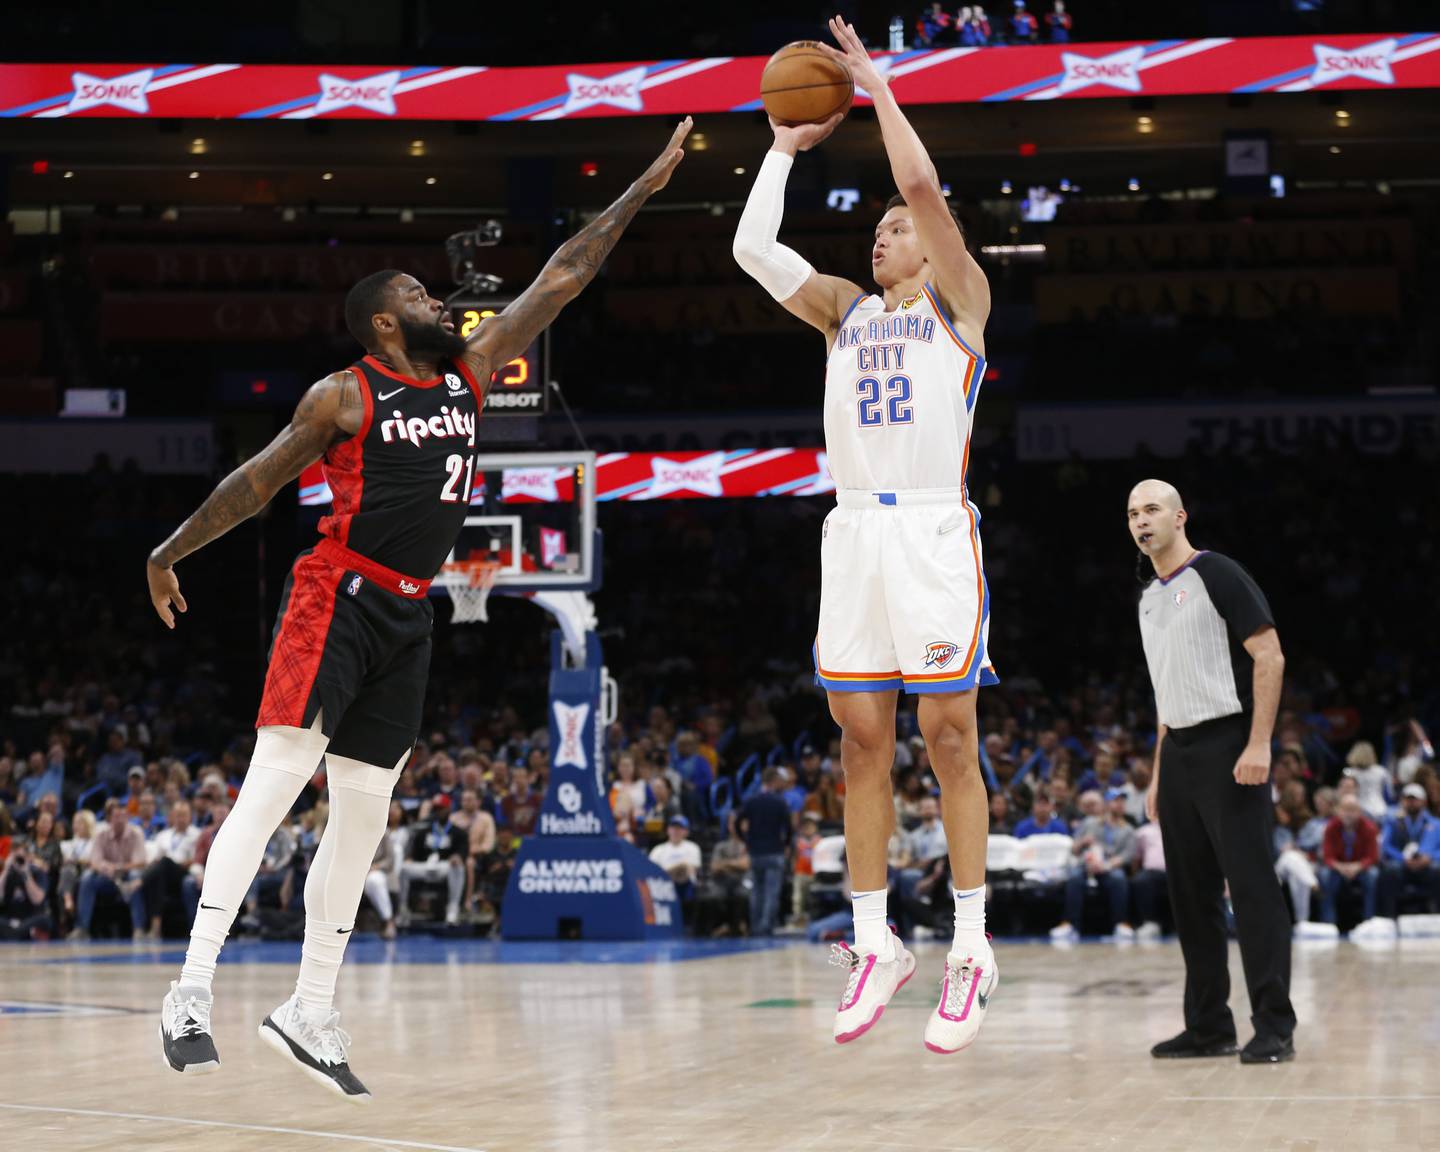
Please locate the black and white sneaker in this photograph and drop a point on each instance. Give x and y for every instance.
(185, 1030)
(318, 1047)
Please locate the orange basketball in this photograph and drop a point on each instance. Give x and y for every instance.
(801, 85)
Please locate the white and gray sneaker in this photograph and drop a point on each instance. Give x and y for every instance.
(318, 1046)
(185, 1030)
(870, 984)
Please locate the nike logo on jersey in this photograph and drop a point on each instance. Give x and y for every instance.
(450, 423)
(387, 395)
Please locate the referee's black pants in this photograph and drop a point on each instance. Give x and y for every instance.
(1215, 830)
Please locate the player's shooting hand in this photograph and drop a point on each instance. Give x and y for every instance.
(1253, 767)
(658, 174)
(794, 138)
(855, 57)
(164, 591)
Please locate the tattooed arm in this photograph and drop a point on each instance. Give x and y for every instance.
(501, 338)
(332, 409)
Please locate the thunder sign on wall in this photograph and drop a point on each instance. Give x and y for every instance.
(713, 84)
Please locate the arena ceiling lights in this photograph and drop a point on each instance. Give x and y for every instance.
(717, 84)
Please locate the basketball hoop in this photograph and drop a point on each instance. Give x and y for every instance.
(470, 587)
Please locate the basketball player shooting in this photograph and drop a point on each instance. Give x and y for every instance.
(395, 433)
(903, 599)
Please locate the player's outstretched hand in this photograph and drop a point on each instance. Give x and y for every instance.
(164, 591)
(856, 58)
(802, 137)
(658, 174)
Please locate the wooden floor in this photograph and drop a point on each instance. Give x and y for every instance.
(476, 1047)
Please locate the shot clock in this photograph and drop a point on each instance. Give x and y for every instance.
(517, 388)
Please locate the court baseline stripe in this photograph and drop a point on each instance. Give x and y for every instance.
(371, 1140)
(1307, 1099)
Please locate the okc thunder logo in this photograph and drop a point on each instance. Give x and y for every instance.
(355, 585)
(939, 653)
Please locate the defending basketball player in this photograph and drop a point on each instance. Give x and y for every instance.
(351, 650)
(903, 601)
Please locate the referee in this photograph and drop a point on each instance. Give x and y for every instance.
(1216, 667)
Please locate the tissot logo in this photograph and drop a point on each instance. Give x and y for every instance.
(127, 92)
(1117, 70)
(374, 93)
(571, 724)
(700, 475)
(535, 483)
(619, 91)
(1372, 62)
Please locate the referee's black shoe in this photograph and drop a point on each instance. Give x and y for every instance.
(1268, 1050)
(1187, 1046)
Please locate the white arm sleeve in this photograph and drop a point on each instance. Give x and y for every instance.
(778, 269)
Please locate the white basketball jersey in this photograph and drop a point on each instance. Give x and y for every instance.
(900, 388)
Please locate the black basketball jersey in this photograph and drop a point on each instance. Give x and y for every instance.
(401, 485)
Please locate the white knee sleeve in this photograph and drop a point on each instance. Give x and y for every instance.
(295, 750)
(372, 779)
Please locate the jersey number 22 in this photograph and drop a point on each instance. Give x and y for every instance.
(892, 406)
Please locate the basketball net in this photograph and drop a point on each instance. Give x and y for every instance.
(470, 592)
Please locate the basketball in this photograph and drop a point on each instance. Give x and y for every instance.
(801, 85)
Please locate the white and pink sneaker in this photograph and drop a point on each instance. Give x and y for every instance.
(871, 985)
(965, 994)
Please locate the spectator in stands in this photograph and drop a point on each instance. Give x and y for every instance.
(192, 884)
(1000, 822)
(8, 783)
(910, 796)
(1042, 819)
(725, 898)
(936, 26)
(161, 882)
(983, 33)
(765, 825)
(25, 893)
(1351, 857)
(521, 807)
(1407, 854)
(626, 784)
(444, 779)
(662, 807)
(1372, 779)
(437, 853)
(1152, 897)
(804, 870)
(266, 889)
(1413, 748)
(680, 857)
(134, 788)
(926, 859)
(694, 768)
(117, 855)
(382, 884)
(1066, 809)
(1024, 28)
(1292, 866)
(1105, 844)
(147, 815)
(825, 804)
(113, 766)
(1311, 837)
(44, 776)
(1058, 23)
(1137, 783)
(75, 858)
(479, 827)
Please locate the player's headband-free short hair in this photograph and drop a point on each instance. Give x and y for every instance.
(898, 201)
(369, 296)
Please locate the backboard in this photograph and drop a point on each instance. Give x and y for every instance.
(533, 513)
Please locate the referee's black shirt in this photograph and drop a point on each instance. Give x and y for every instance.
(1194, 624)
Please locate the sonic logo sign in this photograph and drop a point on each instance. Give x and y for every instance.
(374, 94)
(1117, 70)
(127, 92)
(603, 877)
(571, 723)
(619, 91)
(700, 475)
(1372, 62)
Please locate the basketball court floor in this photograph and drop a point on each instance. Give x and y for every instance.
(588, 1047)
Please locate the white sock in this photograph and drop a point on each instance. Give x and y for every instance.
(265, 798)
(969, 922)
(336, 882)
(872, 934)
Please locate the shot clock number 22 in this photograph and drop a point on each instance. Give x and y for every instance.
(518, 386)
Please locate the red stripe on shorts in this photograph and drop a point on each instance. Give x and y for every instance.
(300, 644)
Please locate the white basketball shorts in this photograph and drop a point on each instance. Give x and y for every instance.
(903, 599)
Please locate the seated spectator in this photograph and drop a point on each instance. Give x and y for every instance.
(794, 792)
(163, 879)
(680, 857)
(724, 901)
(627, 784)
(1136, 785)
(804, 870)
(663, 806)
(936, 26)
(1292, 866)
(1105, 844)
(134, 788)
(520, 809)
(983, 35)
(146, 815)
(194, 883)
(269, 883)
(1311, 837)
(1058, 23)
(1407, 854)
(75, 858)
(1062, 796)
(926, 857)
(694, 768)
(44, 776)
(1350, 857)
(114, 764)
(1152, 893)
(1372, 780)
(1024, 28)
(910, 795)
(437, 851)
(1042, 819)
(382, 883)
(25, 894)
(825, 803)
(1001, 823)
(117, 857)
(479, 828)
